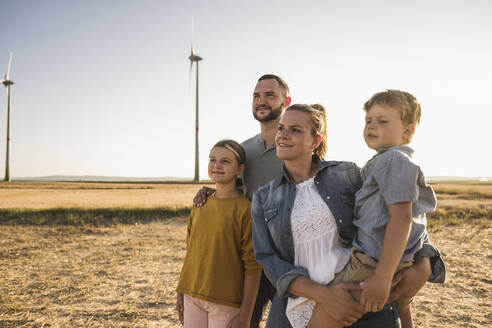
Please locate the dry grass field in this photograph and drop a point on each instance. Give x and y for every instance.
(44, 195)
(467, 194)
(124, 275)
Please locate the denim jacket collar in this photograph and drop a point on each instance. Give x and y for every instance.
(321, 165)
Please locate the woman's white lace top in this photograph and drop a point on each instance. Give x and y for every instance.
(315, 235)
(316, 247)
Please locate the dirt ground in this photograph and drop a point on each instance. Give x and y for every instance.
(125, 276)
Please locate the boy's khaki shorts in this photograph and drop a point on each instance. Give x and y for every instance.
(359, 268)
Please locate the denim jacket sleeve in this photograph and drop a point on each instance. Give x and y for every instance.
(438, 274)
(279, 270)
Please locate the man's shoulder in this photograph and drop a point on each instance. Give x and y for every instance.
(251, 141)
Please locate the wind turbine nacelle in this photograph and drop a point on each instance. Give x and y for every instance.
(195, 58)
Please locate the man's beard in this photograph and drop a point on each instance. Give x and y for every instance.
(274, 114)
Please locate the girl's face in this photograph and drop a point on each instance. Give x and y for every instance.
(223, 166)
(294, 139)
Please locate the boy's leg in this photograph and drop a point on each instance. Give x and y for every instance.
(194, 314)
(404, 305)
(405, 312)
(266, 292)
(359, 268)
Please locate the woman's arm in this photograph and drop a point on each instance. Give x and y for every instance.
(250, 289)
(278, 271)
(335, 300)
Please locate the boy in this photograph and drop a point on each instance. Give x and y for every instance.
(390, 207)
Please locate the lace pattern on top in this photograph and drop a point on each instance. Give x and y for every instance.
(311, 218)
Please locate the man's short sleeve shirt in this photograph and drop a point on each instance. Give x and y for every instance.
(262, 164)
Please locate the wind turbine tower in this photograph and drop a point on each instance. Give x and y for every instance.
(194, 58)
(7, 83)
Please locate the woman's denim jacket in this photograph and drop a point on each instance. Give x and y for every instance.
(337, 183)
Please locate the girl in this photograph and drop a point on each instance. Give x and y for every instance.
(220, 277)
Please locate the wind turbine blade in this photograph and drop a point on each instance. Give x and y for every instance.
(7, 74)
(192, 37)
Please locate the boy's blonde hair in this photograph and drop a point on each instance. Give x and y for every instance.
(404, 102)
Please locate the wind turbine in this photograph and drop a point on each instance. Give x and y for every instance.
(195, 59)
(7, 83)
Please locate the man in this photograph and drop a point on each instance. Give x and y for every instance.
(270, 97)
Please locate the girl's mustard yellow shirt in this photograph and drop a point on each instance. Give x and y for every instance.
(219, 251)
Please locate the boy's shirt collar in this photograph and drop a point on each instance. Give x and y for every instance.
(404, 149)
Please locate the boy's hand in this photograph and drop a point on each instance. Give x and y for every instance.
(375, 292)
(180, 307)
(201, 196)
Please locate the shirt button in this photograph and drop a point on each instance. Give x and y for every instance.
(266, 220)
(327, 197)
(340, 221)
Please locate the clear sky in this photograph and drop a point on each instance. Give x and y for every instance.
(102, 87)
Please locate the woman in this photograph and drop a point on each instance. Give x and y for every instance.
(300, 253)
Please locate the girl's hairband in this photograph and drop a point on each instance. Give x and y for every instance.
(234, 151)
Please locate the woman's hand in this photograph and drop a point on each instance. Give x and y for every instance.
(339, 304)
(409, 281)
(201, 196)
(180, 307)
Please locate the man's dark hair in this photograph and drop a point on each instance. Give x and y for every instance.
(283, 85)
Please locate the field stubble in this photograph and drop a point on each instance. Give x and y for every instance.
(45, 195)
(124, 275)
